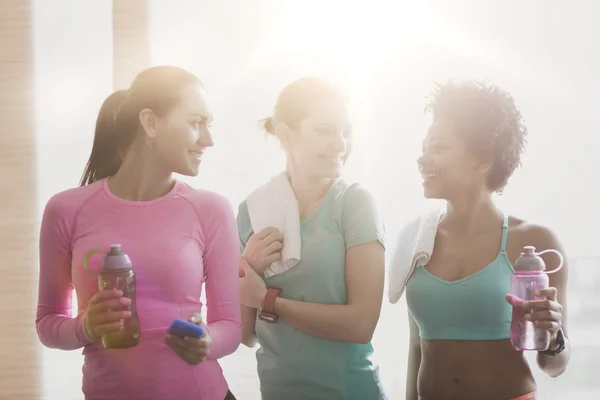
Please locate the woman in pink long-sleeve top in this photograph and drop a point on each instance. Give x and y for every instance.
(177, 237)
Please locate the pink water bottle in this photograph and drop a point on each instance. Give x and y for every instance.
(529, 277)
(116, 273)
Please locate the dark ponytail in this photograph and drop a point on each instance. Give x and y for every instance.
(158, 89)
(106, 158)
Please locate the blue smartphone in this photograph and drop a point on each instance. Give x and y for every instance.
(181, 328)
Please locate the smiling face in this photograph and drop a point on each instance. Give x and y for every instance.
(448, 166)
(182, 135)
(321, 143)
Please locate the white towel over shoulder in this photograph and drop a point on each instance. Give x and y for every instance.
(274, 204)
(413, 249)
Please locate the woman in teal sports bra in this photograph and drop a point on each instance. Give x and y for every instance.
(329, 303)
(459, 311)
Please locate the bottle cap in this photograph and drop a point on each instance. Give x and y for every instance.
(529, 260)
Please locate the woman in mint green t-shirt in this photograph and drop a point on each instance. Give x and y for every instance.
(329, 305)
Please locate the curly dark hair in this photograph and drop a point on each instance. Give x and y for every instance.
(489, 119)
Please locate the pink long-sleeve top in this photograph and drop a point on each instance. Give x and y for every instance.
(176, 243)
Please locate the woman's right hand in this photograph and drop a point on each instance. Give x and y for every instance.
(263, 249)
(99, 320)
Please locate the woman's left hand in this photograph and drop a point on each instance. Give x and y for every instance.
(191, 350)
(545, 314)
(252, 287)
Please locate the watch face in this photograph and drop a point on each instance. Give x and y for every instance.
(270, 318)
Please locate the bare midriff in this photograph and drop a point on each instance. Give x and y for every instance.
(465, 370)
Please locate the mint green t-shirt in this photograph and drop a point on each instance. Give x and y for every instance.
(294, 365)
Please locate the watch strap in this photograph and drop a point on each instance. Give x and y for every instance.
(560, 340)
(269, 300)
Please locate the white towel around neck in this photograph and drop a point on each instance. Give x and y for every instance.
(274, 204)
(413, 249)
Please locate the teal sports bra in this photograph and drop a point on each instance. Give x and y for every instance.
(472, 308)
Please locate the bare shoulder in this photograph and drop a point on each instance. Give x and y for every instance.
(532, 234)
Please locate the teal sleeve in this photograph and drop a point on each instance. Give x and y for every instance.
(361, 220)
(244, 225)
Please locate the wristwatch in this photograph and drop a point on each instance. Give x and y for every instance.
(267, 313)
(560, 341)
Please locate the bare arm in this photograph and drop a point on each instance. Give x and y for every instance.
(414, 360)
(249, 338)
(355, 321)
(545, 239)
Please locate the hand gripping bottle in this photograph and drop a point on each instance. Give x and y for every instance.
(529, 277)
(116, 273)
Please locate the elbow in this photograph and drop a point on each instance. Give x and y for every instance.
(51, 341)
(226, 339)
(364, 335)
(359, 329)
(235, 344)
(556, 374)
(237, 340)
(554, 366)
(57, 331)
(364, 339)
(249, 342)
(39, 327)
(553, 371)
(43, 340)
(249, 339)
